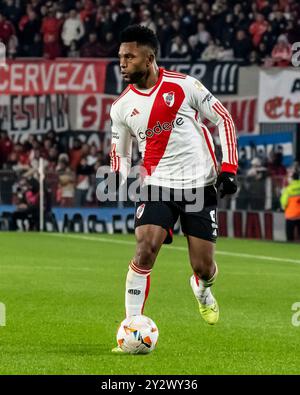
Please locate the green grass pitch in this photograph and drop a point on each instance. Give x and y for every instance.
(64, 298)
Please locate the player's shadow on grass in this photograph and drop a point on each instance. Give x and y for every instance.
(87, 350)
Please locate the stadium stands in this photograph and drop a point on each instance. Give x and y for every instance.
(256, 32)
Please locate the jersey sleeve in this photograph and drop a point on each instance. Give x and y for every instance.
(211, 108)
(121, 145)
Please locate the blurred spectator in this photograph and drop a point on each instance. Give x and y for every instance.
(256, 177)
(262, 155)
(12, 162)
(241, 22)
(75, 154)
(269, 39)
(52, 157)
(211, 52)
(19, 159)
(11, 11)
(91, 49)
(242, 45)
(51, 30)
(189, 20)
(12, 47)
(261, 53)
(253, 57)
(202, 34)
(7, 30)
(227, 31)
(277, 172)
(242, 197)
(199, 41)
(147, 20)
(83, 173)
(293, 31)
(66, 182)
(258, 28)
(163, 37)
(174, 28)
(278, 23)
(294, 168)
(27, 204)
(72, 30)
(73, 50)
(103, 23)
(195, 49)
(30, 28)
(6, 147)
(282, 52)
(244, 162)
(226, 53)
(179, 49)
(123, 19)
(93, 156)
(108, 48)
(88, 10)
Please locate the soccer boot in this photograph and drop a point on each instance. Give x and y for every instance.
(209, 312)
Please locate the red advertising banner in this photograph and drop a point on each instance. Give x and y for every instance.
(244, 114)
(47, 77)
(91, 112)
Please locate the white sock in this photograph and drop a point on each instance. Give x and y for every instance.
(201, 288)
(137, 289)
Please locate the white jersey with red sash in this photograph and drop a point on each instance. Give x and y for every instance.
(167, 121)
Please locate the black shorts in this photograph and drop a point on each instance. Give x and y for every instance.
(198, 220)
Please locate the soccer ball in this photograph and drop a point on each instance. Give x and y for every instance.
(137, 335)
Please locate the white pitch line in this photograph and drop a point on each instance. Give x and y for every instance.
(220, 252)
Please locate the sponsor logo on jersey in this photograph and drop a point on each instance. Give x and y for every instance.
(161, 127)
(140, 210)
(169, 98)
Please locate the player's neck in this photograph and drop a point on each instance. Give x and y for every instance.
(150, 79)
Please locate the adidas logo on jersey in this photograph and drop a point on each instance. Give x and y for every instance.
(134, 112)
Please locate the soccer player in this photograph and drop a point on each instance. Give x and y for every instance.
(164, 111)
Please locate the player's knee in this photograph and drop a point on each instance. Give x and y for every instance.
(146, 253)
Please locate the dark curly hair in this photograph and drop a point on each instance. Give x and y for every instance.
(142, 35)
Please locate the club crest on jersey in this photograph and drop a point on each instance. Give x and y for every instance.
(169, 98)
(140, 210)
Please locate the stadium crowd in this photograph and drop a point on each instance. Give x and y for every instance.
(257, 32)
(71, 172)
